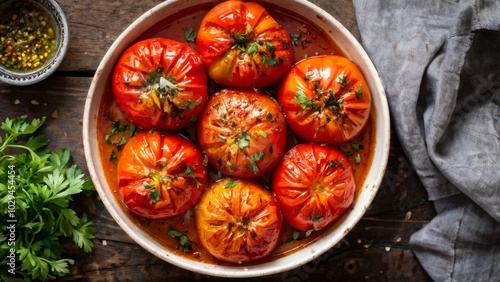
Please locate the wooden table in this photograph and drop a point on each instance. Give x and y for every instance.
(376, 249)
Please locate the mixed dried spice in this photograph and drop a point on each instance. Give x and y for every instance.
(27, 37)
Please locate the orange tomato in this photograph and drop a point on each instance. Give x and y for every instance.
(238, 220)
(325, 99)
(242, 132)
(243, 46)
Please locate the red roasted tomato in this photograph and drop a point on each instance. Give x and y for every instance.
(160, 83)
(325, 99)
(314, 185)
(238, 220)
(242, 132)
(160, 176)
(243, 46)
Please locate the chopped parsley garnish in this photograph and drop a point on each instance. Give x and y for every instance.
(253, 161)
(262, 133)
(230, 165)
(240, 40)
(270, 61)
(334, 163)
(186, 244)
(358, 158)
(231, 183)
(253, 48)
(190, 173)
(154, 194)
(357, 146)
(359, 93)
(316, 218)
(342, 79)
(243, 141)
(304, 101)
(113, 157)
(189, 35)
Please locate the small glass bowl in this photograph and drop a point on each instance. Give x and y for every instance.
(56, 15)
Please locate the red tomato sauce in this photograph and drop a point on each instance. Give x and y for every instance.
(310, 41)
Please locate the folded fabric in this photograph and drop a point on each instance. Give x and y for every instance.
(440, 65)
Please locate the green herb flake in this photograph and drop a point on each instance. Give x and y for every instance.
(189, 35)
(253, 48)
(190, 173)
(253, 162)
(262, 133)
(342, 79)
(231, 183)
(113, 158)
(186, 244)
(244, 140)
(357, 146)
(359, 93)
(316, 218)
(309, 232)
(304, 101)
(154, 194)
(334, 163)
(270, 61)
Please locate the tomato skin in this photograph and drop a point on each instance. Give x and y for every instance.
(322, 117)
(242, 132)
(238, 224)
(227, 38)
(314, 185)
(169, 163)
(169, 107)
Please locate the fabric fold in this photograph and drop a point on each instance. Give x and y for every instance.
(440, 65)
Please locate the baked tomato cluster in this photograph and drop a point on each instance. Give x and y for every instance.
(260, 178)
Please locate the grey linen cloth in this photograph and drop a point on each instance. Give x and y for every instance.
(440, 65)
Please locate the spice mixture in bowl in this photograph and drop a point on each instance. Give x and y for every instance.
(34, 37)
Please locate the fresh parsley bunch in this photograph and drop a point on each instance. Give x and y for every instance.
(36, 189)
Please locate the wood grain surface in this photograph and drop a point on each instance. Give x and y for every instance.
(377, 249)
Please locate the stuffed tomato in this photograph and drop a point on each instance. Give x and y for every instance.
(242, 132)
(160, 83)
(243, 46)
(160, 175)
(325, 99)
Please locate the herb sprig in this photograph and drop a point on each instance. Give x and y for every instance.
(36, 191)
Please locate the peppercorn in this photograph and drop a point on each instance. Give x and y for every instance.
(27, 37)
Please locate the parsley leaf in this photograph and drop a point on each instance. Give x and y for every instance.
(304, 101)
(189, 35)
(253, 161)
(243, 141)
(186, 244)
(231, 183)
